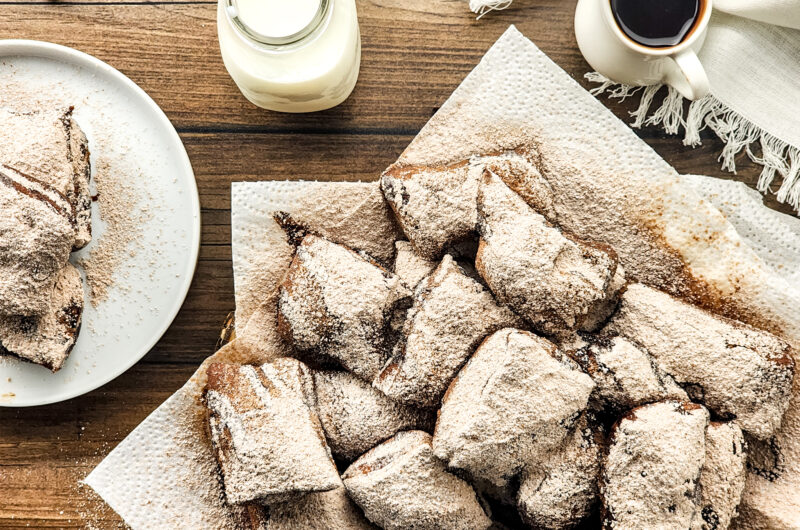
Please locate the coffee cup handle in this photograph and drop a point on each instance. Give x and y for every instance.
(687, 75)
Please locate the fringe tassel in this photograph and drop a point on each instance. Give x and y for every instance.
(481, 7)
(640, 114)
(776, 156)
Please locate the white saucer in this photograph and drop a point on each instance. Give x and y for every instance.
(128, 131)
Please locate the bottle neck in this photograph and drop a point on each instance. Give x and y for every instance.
(239, 14)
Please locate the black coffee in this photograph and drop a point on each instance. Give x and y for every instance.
(656, 23)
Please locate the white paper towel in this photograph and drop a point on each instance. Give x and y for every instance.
(774, 236)
(162, 475)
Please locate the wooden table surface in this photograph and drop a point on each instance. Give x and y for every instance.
(415, 52)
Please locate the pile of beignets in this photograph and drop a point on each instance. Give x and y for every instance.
(502, 373)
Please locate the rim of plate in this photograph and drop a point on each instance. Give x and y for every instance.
(49, 50)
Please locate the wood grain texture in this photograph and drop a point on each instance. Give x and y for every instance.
(415, 52)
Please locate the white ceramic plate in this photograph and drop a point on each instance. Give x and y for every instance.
(128, 135)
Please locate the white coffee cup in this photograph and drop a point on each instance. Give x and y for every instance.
(616, 56)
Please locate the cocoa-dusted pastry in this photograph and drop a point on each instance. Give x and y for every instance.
(737, 371)
(560, 491)
(625, 376)
(410, 266)
(339, 305)
(722, 478)
(435, 206)
(517, 399)
(329, 510)
(36, 236)
(652, 471)
(400, 484)
(45, 212)
(519, 170)
(550, 278)
(47, 339)
(356, 417)
(82, 197)
(267, 439)
(50, 149)
(450, 316)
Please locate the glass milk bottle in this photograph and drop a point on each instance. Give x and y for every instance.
(291, 55)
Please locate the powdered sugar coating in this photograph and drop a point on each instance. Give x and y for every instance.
(515, 400)
(550, 278)
(626, 376)
(652, 470)
(35, 242)
(47, 339)
(338, 304)
(410, 266)
(561, 490)
(519, 170)
(400, 484)
(356, 417)
(45, 209)
(737, 371)
(47, 145)
(451, 314)
(79, 195)
(37, 143)
(360, 219)
(435, 206)
(603, 309)
(267, 438)
(353, 214)
(723, 476)
(329, 510)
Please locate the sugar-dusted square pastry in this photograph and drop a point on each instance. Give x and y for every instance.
(652, 471)
(739, 372)
(49, 338)
(435, 205)
(400, 484)
(48, 146)
(356, 417)
(266, 436)
(550, 278)
(625, 376)
(339, 305)
(561, 490)
(450, 316)
(45, 205)
(516, 399)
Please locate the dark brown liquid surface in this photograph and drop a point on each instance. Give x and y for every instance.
(656, 23)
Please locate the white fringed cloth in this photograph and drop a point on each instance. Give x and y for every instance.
(752, 57)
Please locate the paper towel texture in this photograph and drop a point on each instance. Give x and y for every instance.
(610, 186)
